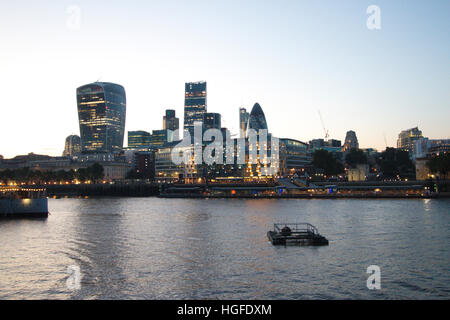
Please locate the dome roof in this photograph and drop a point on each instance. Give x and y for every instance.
(257, 119)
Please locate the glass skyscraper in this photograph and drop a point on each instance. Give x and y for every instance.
(101, 113)
(257, 120)
(194, 104)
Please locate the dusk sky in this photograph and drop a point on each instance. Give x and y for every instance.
(292, 57)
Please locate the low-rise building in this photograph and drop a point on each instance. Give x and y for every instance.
(359, 173)
(115, 166)
(422, 170)
(294, 156)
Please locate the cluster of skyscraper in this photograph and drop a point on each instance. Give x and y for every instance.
(196, 115)
(102, 113)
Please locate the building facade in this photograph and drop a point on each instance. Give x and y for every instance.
(262, 155)
(243, 121)
(407, 139)
(144, 164)
(115, 168)
(351, 141)
(72, 146)
(359, 173)
(161, 138)
(170, 121)
(294, 156)
(139, 139)
(257, 119)
(168, 171)
(212, 121)
(101, 114)
(195, 104)
(438, 146)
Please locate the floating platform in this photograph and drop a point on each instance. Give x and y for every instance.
(23, 202)
(296, 234)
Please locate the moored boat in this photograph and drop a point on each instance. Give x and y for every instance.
(23, 202)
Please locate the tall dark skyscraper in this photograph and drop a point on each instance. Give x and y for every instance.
(170, 121)
(243, 119)
(101, 113)
(194, 104)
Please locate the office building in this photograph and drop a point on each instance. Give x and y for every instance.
(144, 164)
(334, 143)
(194, 104)
(351, 141)
(166, 170)
(321, 143)
(438, 146)
(243, 121)
(101, 114)
(294, 156)
(72, 146)
(262, 157)
(407, 139)
(257, 119)
(160, 138)
(139, 139)
(170, 121)
(212, 121)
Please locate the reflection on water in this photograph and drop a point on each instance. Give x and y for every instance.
(152, 248)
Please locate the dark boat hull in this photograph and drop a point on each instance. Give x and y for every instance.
(23, 208)
(308, 240)
(23, 215)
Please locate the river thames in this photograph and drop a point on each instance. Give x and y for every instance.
(151, 248)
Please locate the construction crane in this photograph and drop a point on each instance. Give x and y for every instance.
(323, 126)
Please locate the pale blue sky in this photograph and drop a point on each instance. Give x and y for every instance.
(293, 57)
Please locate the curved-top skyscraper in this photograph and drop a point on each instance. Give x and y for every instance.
(257, 119)
(101, 113)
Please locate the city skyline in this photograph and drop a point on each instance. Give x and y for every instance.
(374, 82)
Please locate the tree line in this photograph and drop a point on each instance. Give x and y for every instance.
(392, 162)
(439, 164)
(93, 173)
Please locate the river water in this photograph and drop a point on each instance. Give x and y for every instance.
(151, 248)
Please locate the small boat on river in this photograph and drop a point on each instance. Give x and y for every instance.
(296, 233)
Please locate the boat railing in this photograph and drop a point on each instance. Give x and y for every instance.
(18, 192)
(301, 227)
